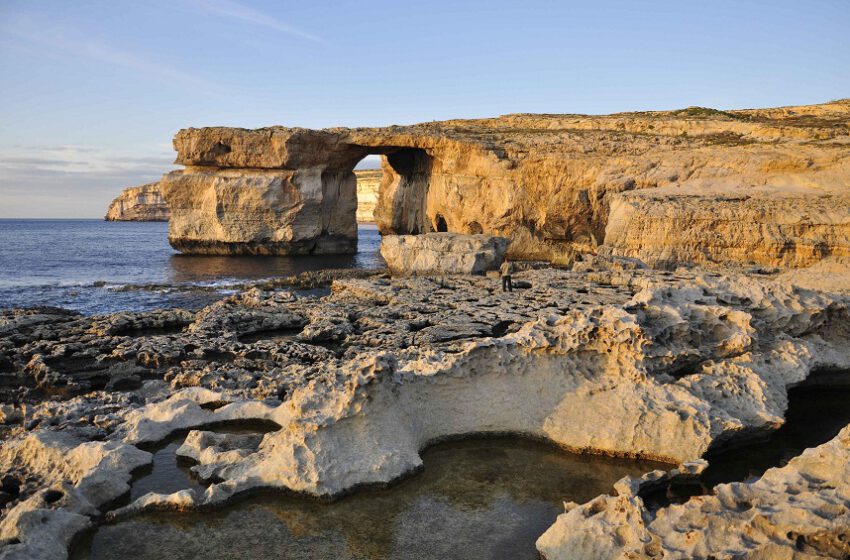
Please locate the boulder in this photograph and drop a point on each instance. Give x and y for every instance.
(443, 253)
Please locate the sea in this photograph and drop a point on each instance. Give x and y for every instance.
(94, 266)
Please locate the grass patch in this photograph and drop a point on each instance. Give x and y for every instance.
(703, 112)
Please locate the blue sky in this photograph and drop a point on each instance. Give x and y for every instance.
(91, 92)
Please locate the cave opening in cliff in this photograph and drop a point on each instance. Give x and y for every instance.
(395, 196)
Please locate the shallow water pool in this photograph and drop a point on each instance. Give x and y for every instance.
(475, 499)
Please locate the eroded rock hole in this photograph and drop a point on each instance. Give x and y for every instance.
(816, 413)
(170, 473)
(441, 224)
(52, 496)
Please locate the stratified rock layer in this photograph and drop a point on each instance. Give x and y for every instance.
(778, 227)
(261, 211)
(443, 253)
(139, 204)
(550, 183)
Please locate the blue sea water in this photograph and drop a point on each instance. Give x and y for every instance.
(93, 266)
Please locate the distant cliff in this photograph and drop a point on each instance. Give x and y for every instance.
(139, 204)
(368, 184)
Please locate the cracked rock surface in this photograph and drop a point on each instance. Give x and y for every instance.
(611, 358)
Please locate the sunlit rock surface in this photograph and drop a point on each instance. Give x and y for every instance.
(261, 211)
(443, 253)
(553, 184)
(787, 227)
(368, 185)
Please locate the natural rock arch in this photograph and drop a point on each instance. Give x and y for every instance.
(665, 187)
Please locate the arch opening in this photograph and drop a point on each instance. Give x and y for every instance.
(396, 196)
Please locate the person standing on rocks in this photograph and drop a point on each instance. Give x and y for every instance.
(507, 269)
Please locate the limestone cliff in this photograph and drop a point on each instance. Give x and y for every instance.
(774, 226)
(551, 183)
(368, 185)
(139, 204)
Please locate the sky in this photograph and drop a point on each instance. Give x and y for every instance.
(91, 92)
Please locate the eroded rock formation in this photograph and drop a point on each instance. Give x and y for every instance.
(753, 519)
(139, 204)
(612, 359)
(551, 183)
(787, 227)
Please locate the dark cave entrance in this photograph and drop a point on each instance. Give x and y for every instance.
(441, 223)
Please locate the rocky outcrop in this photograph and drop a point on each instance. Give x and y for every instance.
(612, 358)
(754, 519)
(443, 253)
(139, 204)
(261, 211)
(62, 481)
(767, 226)
(368, 186)
(548, 182)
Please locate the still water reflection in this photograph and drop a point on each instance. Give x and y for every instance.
(475, 499)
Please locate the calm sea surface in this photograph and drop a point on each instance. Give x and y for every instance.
(95, 266)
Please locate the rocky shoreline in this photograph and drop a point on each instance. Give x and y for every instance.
(363, 374)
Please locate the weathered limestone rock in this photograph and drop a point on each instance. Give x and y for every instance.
(261, 212)
(65, 480)
(664, 373)
(443, 253)
(547, 182)
(788, 227)
(139, 204)
(796, 511)
(614, 359)
(368, 185)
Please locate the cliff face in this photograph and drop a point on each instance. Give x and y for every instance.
(771, 226)
(554, 184)
(139, 204)
(368, 186)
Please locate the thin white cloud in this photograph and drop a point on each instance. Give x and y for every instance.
(64, 41)
(72, 181)
(241, 12)
(18, 164)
